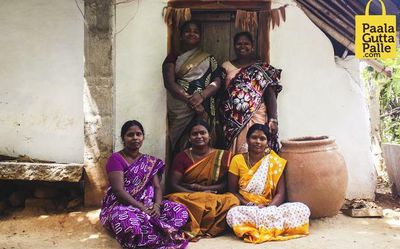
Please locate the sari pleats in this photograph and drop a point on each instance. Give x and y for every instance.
(271, 223)
(207, 211)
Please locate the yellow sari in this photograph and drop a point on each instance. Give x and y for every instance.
(207, 210)
(258, 185)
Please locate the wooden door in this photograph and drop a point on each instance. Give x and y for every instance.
(218, 30)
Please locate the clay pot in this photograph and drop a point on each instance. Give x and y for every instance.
(316, 174)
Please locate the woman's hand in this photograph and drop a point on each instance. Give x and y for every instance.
(184, 95)
(196, 99)
(199, 109)
(145, 209)
(155, 210)
(233, 187)
(273, 126)
(194, 187)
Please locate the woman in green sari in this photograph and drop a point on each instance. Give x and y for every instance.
(191, 78)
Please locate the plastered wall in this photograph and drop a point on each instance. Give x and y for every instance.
(323, 97)
(41, 80)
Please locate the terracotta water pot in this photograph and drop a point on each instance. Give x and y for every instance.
(316, 174)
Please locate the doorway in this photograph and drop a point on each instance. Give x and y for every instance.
(218, 30)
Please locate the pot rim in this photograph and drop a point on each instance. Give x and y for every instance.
(309, 140)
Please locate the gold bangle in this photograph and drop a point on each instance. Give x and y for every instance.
(156, 204)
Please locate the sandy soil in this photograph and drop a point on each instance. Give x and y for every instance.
(81, 229)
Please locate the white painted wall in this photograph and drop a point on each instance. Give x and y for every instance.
(321, 97)
(140, 50)
(41, 80)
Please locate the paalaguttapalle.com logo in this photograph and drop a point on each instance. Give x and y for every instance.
(375, 35)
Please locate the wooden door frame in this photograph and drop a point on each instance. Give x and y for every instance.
(229, 5)
(212, 5)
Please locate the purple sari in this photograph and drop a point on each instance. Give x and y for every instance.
(130, 225)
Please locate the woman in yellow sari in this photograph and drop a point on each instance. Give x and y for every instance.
(257, 179)
(199, 181)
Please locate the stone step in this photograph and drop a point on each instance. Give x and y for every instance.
(52, 172)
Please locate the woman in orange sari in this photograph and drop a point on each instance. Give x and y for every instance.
(257, 179)
(199, 180)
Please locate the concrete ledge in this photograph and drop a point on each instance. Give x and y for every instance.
(52, 172)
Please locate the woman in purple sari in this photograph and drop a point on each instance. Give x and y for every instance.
(133, 210)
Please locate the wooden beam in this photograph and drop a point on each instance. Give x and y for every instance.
(379, 67)
(337, 14)
(357, 6)
(219, 5)
(320, 17)
(346, 11)
(346, 42)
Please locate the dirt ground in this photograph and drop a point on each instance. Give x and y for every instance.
(34, 228)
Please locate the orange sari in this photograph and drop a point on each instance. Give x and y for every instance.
(207, 211)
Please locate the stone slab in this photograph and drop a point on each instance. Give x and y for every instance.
(52, 172)
(364, 212)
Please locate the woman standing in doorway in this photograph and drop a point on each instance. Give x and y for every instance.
(191, 78)
(250, 97)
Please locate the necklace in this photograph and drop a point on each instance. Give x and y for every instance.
(191, 155)
(129, 156)
(250, 163)
(238, 64)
